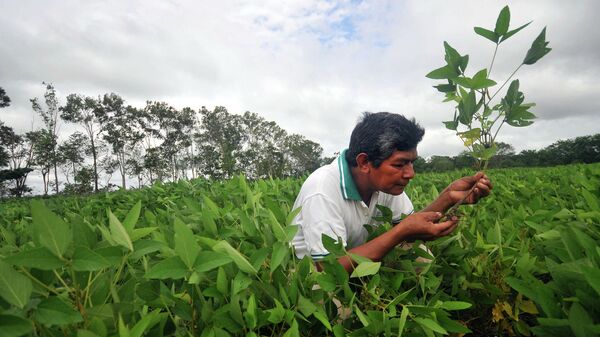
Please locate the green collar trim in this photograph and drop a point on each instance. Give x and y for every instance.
(349, 190)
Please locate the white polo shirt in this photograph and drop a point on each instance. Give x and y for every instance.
(330, 204)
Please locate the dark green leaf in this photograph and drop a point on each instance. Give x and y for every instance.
(85, 259)
(207, 261)
(14, 326)
(443, 73)
(40, 258)
(225, 248)
(455, 305)
(172, 268)
(186, 246)
(15, 288)
(118, 232)
(50, 230)
(365, 269)
(488, 34)
(431, 324)
(513, 32)
(451, 125)
(132, 217)
(53, 311)
(539, 48)
(503, 21)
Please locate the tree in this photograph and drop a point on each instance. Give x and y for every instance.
(219, 140)
(4, 99)
(19, 158)
(118, 126)
(84, 110)
(43, 145)
(303, 156)
(50, 118)
(441, 163)
(72, 153)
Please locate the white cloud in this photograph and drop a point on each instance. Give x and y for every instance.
(311, 66)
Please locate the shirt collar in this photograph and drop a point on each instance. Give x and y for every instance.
(349, 190)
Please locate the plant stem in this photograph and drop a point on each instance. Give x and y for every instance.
(493, 58)
(508, 79)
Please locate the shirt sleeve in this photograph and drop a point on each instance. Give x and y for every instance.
(321, 216)
(401, 205)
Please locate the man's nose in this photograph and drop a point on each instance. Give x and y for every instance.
(409, 171)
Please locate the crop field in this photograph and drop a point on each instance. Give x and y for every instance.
(212, 259)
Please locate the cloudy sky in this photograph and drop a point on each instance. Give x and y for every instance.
(310, 66)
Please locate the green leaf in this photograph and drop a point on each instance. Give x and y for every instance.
(305, 306)
(503, 21)
(172, 268)
(15, 288)
(326, 281)
(50, 230)
(53, 311)
(481, 81)
(85, 259)
(276, 314)
(293, 330)
(139, 233)
(592, 276)
(488, 34)
(445, 87)
(455, 305)
(513, 32)
(86, 333)
(469, 137)
(445, 72)
(451, 125)
(431, 324)
(280, 251)
(402, 321)
(118, 232)
(579, 320)
(146, 323)
(539, 48)
(186, 246)
(132, 217)
(222, 281)
(14, 326)
(333, 246)
(239, 259)
(365, 269)
(207, 261)
(39, 258)
(322, 317)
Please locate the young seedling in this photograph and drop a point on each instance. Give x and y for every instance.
(478, 118)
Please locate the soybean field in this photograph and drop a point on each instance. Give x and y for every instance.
(201, 258)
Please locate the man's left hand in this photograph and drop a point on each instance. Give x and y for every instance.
(462, 187)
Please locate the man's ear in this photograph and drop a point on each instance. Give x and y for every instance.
(362, 162)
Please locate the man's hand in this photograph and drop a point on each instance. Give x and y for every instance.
(461, 188)
(425, 226)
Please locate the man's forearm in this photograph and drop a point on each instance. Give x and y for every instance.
(441, 204)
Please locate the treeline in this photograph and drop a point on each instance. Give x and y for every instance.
(149, 144)
(584, 149)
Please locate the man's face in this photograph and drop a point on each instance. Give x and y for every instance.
(394, 173)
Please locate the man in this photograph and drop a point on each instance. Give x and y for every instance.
(339, 198)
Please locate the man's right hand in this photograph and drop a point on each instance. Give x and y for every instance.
(425, 226)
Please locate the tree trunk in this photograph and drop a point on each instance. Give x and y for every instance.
(94, 155)
(55, 176)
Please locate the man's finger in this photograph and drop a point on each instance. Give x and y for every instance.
(432, 216)
(450, 229)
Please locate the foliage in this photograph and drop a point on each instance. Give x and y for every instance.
(212, 259)
(472, 94)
